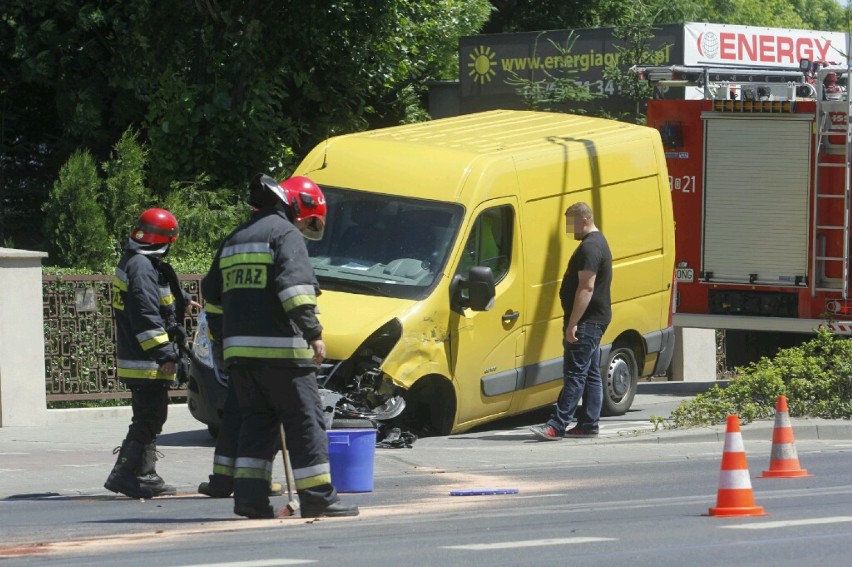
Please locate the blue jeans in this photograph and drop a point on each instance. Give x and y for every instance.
(582, 379)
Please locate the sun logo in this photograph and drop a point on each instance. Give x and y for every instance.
(482, 61)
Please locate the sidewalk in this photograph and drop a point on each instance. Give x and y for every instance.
(73, 454)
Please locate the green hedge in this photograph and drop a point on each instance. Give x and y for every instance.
(816, 378)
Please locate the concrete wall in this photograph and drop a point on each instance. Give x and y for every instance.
(694, 358)
(23, 398)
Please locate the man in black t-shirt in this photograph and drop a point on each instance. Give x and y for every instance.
(585, 297)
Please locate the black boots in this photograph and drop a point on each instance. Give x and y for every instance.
(254, 511)
(123, 476)
(222, 486)
(134, 473)
(219, 486)
(336, 510)
(147, 474)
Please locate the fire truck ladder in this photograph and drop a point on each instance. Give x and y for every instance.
(716, 80)
(824, 199)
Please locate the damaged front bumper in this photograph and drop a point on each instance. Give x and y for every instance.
(355, 388)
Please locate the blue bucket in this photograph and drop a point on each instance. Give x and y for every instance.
(350, 454)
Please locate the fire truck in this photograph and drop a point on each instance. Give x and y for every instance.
(759, 169)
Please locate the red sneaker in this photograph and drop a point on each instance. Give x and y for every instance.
(545, 433)
(577, 432)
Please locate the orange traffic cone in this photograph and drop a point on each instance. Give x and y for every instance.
(784, 461)
(735, 497)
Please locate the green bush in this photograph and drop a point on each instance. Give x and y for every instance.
(125, 193)
(88, 221)
(205, 218)
(75, 223)
(816, 378)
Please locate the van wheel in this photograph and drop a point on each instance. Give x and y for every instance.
(430, 407)
(620, 381)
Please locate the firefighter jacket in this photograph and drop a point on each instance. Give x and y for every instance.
(144, 311)
(261, 294)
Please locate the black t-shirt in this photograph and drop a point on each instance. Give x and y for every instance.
(592, 255)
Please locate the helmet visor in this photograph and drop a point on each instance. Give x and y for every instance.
(314, 228)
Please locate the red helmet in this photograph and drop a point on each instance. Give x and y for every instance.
(306, 201)
(155, 226)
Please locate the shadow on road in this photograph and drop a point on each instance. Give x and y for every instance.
(194, 438)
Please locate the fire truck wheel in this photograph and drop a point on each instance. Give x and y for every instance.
(620, 381)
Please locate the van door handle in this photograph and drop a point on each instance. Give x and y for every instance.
(510, 316)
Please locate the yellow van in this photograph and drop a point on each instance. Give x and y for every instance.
(444, 251)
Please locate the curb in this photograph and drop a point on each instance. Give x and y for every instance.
(804, 429)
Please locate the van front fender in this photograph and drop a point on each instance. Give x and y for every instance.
(423, 349)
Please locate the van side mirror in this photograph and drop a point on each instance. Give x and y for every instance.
(476, 292)
(804, 65)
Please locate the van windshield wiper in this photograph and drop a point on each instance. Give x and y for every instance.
(350, 285)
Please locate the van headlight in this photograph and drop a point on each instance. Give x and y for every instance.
(364, 388)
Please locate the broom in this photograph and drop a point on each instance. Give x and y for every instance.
(293, 499)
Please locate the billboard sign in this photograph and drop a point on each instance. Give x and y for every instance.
(492, 67)
(749, 46)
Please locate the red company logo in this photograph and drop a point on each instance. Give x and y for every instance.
(837, 118)
(761, 47)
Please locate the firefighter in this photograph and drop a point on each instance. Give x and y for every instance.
(830, 89)
(264, 284)
(220, 484)
(147, 332)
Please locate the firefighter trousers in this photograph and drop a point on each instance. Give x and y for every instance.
(150, 403)
(227, 442)
(266, 395)
(225, 454)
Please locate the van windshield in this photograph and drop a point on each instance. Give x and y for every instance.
(383, 244)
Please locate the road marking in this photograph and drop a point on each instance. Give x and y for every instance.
(528, 543)
(257, 563)
(789, 523)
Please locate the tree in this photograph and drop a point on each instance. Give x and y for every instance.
(125, 195)
(636, 31)
(224, 88)
(74, 220)
(60, 89)
(540, 15)
(535, 15)
(825, 15)
(205, 217)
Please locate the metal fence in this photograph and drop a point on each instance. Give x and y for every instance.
(79, 337)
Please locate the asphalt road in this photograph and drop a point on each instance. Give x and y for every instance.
(626, 498)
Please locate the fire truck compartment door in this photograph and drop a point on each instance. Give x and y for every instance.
(756, 183)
